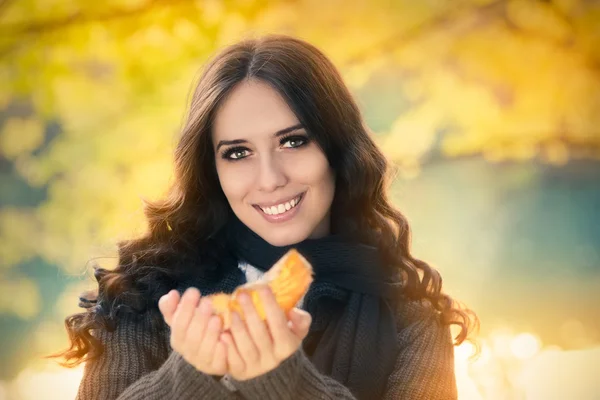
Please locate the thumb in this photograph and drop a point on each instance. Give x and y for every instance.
(168, 304)
(300, 322)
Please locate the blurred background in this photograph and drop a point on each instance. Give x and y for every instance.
(490, 110)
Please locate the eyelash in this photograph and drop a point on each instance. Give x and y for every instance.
(229, 152)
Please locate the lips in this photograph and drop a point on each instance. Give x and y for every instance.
(281, 207)
(281, 212)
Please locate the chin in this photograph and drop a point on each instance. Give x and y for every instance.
(283, 237)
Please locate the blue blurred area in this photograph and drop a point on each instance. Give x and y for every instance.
(16, 346)
(519, 242)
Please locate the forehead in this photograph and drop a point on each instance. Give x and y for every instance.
(252, 109)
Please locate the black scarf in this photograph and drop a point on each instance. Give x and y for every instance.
(353, 334)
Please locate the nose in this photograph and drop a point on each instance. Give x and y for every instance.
(271, 174)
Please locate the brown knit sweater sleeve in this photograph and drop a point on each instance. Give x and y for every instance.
(424, 368)
(425, 365)
(295, 378)
(138, 363)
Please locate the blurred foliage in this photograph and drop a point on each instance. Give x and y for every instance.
(94, 93)
(92, 96)
(13, 300)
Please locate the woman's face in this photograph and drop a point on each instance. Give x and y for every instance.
(276, 179)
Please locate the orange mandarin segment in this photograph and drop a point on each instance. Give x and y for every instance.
(289, 279)
(220, 303)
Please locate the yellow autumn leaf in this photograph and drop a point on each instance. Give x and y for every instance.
(538, 18)
(20, 136)
(412, 134)
(18, 232)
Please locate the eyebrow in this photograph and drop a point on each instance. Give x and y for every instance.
(277, 134)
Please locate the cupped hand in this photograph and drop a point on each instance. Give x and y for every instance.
(195, 331)
(254, 346)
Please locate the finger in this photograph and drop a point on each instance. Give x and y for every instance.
(234, 359)
(183, 314)
(276, 318)
(300, 322)
(243, 341)
(167, 305)
(256, 326)
(209, 343)
(219, 362)
(197, 328)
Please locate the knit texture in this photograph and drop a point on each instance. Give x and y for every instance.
(138, 363)
(351, 300)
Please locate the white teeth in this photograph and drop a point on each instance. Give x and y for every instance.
(281, 208)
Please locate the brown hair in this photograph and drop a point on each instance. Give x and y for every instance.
(187, 222)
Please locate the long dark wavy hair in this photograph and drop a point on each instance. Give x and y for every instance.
(184, 226)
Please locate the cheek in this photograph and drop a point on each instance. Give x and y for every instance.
(229, 177)
(328, 187)
(316, 173)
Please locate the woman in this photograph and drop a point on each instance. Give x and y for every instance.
(274, 154)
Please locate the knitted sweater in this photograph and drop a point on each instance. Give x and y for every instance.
(138, 363)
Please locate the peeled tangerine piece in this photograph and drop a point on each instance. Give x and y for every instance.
(289, 280)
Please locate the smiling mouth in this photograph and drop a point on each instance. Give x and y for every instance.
(281, 208)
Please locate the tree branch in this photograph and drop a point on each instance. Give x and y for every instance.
(78, 18)
(3, 5)
(442, 19)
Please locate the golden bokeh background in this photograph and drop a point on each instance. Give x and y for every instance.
(490, 109)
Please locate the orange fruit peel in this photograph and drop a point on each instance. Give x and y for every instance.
(289, 280)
